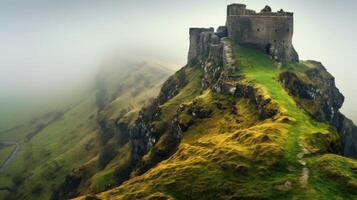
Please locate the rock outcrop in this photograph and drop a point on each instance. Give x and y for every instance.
(233, 125)
(315, 91)
(154, 137)
(152, 134)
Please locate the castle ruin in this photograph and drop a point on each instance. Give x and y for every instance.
(268, 31)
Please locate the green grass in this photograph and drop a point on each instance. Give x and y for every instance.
(73, 140)
(186, 95)
(5, 151)
(53, 152)
(105, 178)
(238, 156)
(225, 156)
(263, 72)
(217, 158)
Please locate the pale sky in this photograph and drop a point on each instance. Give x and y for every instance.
(53, 45)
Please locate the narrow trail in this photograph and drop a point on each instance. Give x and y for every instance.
(305, 170)
(11, 156)
(264, 72)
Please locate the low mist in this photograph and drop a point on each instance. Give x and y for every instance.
(51, 50)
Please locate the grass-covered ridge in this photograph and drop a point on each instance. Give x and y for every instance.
(228, 152)
(68, 141)
(215, 156)
(263, 72)
(306, 135)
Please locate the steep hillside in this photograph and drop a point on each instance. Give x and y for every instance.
(55, 146)
(227, 126)
(244, 119)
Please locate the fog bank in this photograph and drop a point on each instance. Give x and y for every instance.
(49, 47)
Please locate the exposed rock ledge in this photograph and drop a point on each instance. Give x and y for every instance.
(315, 91)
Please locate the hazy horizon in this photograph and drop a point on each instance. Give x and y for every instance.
(49, 47)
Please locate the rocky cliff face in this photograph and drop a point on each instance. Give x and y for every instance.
(226, 119)
(216, 58)
(151, 133)
(214, 121)
(315, 91)
(156, 136)
(123, 133)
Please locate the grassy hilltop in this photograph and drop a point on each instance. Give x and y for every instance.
(211, 133)
(228, 151)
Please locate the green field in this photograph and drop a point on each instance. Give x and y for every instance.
(5, 151)
(60, 140)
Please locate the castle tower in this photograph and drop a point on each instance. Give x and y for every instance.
(269, 31)
(236, 9)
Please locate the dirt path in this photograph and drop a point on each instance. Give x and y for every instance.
(305, 170)
(11, 156)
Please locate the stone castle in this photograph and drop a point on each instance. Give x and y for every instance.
(268, 31)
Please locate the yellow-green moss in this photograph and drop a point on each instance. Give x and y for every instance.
(235, 155)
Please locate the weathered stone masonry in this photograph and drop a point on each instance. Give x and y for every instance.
(268, 31)
(272, 33)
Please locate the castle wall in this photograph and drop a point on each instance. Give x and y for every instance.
(195, 37)
(238, 9)
(256, 29)
(270, 31)
(204, 43)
